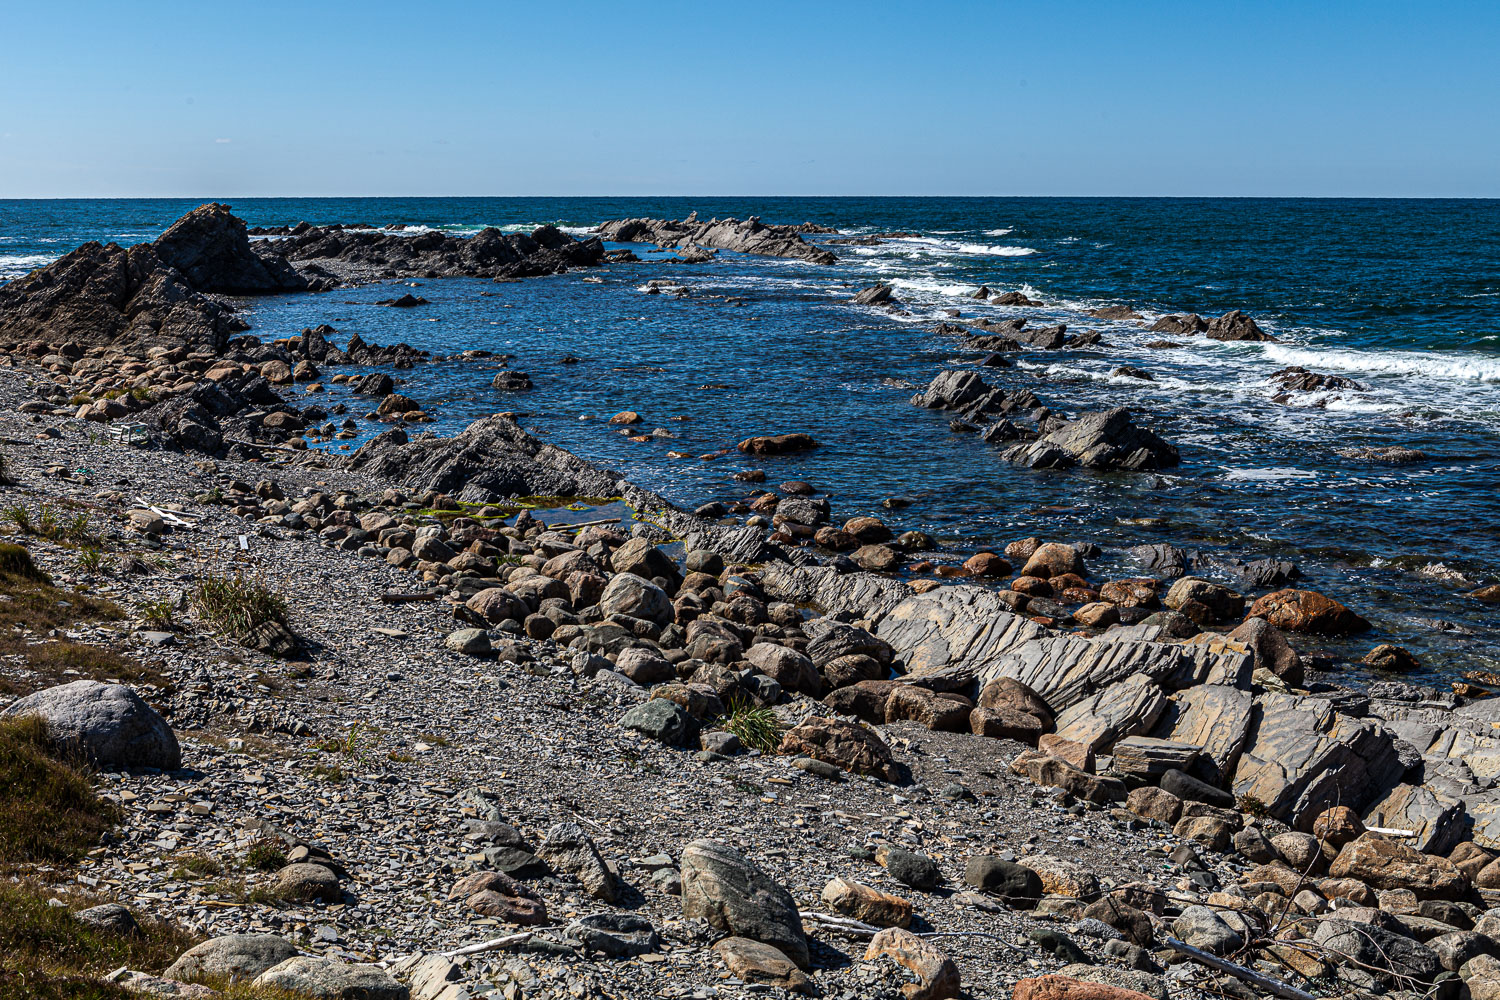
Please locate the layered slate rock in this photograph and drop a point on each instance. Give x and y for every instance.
(1302, 757)
(740, 236)
(1132, 706)
(1107, 439)
(826, 588)
(964, 626)
(1438, 819)
(108, 725)
(1214, 717)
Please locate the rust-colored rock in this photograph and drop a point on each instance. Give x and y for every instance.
(1338, 826)
(863, 902)
(987, 564)
(844, 744)
(777, 444)
(1386, 864)
(1068, 988)
(1307, 611)
(938, 975)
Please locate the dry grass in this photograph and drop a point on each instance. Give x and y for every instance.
(48, 810)
(237, 605)
(37, 936)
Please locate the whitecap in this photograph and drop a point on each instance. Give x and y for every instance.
(1427, 364)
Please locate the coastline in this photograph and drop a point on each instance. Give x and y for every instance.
(530, 622)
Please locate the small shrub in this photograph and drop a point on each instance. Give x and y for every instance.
(400, 758)
(333, 775)
(265, 855)
(158, 614)
(1252, 806)
(47, 524)
(48, 810)
(19, 515)
(757, 728)
(76, 529)
(237, 605)
(90, 559)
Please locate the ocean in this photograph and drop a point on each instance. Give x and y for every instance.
(1403, 297)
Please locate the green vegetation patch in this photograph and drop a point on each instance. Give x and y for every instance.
(48, 810)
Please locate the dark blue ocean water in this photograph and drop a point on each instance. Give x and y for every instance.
(1401, 296)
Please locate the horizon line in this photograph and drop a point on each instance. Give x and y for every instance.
(747, 197)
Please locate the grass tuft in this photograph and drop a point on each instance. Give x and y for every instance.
(757, 728)
(37, 935)
(237, 605)
(265, 855)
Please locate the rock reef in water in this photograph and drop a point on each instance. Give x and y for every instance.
(166, 293)
(361, 254)
(740, 236)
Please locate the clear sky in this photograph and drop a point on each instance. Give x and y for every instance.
(574, 97)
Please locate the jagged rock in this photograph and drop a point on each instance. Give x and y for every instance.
(953, 389)
(1271, 649)
(1302, 756)
(1180, 323)
(748, 236)
(107, 724)
(719, 885)
(364, 254)
(1235, 325)
(1378, 948)
(1438, 819)
(566, 848)
(490, 459)
(1148, 756)
(1106, 439)
(1123, 709)
(875, 295)
(1215, 717)
(938, 975)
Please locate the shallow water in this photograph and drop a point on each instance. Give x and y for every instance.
(1402, 296)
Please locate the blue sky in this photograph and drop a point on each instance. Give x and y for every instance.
(934, 98)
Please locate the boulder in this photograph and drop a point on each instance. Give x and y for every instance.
(759, 964)
(326, 979)
(777, 444)
(794, 671)
(1307, 611)
(664, 721)
(1106, 439)
(720, 886)
(1378, 948)
(1385, 864)
(1271, 649)
(1215, 717)
(628, 594)
(867, 904)
(845, 744)
(232, 956)
(108, 725)
(1203, 928)
(1204, 602)
(1235, 325)
(1072, 988)
(1017, 885)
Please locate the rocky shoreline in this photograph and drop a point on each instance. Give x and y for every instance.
(662, 753)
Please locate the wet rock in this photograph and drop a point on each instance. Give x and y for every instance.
(1235, 325)
(875, 295)
(777, 444)
(719, 885)
(107, 724)
(1271, 649)
(739, 236)
(1391, 658)
(1106, 439)
(1205, 602)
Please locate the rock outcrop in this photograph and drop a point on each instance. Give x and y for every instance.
(740, 236)
(1106, 439)
(366, 254)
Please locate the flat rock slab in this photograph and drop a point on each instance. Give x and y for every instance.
(1215, 717)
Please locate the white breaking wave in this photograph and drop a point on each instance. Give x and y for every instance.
(1423, 363)
(999, 232)
(954, 246)
(13, 265)
(1267, 475)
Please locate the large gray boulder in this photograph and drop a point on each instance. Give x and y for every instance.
(628, 594)
(233, 956)
(324, 978)
(567, 848)
(719, 885)
(107, 724)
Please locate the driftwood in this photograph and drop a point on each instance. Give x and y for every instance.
(1268, 984)
(395, 597)
(494, 944)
